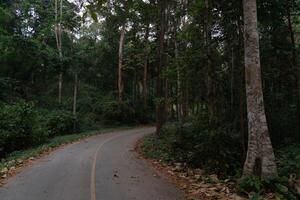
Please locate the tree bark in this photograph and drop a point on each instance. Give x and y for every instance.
(60, 85)
(120, 69)
(145, 78)
(179, 85)
(160, 104)
(260, 156)
(58, 37)
(232, 84)
(210, 70)
(295, 68)
(75, 95)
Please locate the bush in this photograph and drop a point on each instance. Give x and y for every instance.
(155, 148)
(278, 185)
(19, 128)
(114, 112)
(58, 122)
(193, 145)
(250, 184)
(289, 160)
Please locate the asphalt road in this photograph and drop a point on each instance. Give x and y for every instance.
(103, 167)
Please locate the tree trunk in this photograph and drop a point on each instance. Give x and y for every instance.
(145, 78)
(209, 82)
(75, 95)
(260, 156)
(58, 37)
(160, 104)
(295, 68)
(232, 84)
(120, 69)
(60, 84)
(179, 86)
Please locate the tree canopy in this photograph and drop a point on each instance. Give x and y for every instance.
(143, 61)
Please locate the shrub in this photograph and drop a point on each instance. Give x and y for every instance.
(114, 112)
(193, 145)
(58, 122)
(155, 148)
(19, 128)
(250, 184)
(289, 160)
(278, 185)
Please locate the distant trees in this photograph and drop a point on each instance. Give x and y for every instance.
(159, 61)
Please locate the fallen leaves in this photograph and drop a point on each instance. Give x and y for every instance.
(194, 182)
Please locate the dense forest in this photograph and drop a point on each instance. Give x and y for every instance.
(220, 79)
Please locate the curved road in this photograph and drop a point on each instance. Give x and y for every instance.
(102, 167)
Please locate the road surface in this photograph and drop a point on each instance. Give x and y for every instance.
(102, 167)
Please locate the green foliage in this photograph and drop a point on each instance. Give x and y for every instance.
(114, 112)
(23, 126)
(155, 148)
(289, 160)
(278, 185)
(19, 128)
(58, 122)
(250, 184)
(195, 145)
(52, 143)
(256, 196)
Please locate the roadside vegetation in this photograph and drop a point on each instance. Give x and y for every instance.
(194, 152)
(24, 126)
(221, 79)
(12, 161)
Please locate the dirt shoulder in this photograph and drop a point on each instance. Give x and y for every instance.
(194, 182)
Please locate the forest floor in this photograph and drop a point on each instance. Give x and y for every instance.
(196, 184)
(99, 167)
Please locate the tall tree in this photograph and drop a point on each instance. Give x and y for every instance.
(260, 156)
(161, 29)
(210, 70)
(145, 76)
(58, 36)
(120, 63)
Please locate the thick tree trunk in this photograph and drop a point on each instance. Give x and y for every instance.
(120, 69)
(160, 104)
(260, 156)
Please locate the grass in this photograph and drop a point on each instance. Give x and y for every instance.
(155, 148)
(52, 143)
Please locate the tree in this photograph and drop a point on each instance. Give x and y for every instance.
(58, 36)
(120, 67)
(160, 103)
(145, 75)
(210, 70)
(260, 156)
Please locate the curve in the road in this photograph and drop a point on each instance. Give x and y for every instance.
(93, 174)
(102, 167)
